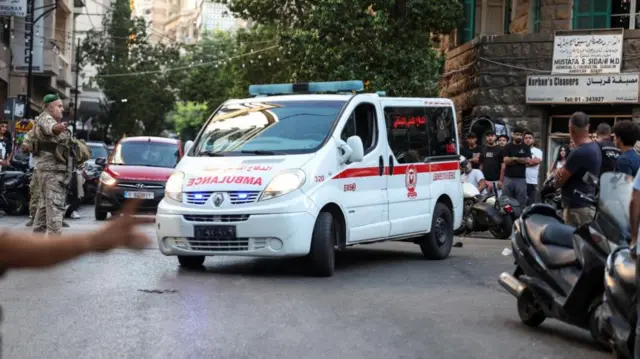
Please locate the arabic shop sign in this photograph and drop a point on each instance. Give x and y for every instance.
(582, 89)
(17, 8)
(587, 54)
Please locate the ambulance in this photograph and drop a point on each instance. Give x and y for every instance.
(310, 169)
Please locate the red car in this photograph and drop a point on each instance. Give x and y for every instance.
(138, 167)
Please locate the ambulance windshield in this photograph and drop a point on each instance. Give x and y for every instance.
(268, 128)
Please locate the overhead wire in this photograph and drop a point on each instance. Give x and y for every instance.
(169, 69)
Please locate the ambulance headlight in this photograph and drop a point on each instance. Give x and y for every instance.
(173, 188)
(283, 183)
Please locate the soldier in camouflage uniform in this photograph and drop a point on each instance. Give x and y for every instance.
(52, 144)
(34, 187)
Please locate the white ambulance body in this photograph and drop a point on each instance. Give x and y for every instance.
(308, 174)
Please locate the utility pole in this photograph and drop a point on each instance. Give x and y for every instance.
(31, 21)
(75, 102)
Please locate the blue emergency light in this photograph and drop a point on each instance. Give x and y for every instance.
(307, 88)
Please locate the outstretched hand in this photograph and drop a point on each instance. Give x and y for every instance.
(122, 231)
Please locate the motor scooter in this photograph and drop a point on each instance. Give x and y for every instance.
(551, 196)
(560, 269)
(617, 315)
(492, 211)
(14, 189)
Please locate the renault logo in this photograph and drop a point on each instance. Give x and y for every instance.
(218, 198)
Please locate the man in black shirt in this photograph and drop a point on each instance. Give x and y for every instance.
(472, 151)
(587, 157)
(516, 156)
(491, 158)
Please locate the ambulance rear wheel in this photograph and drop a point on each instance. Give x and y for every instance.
(438, 242)
(322, 256)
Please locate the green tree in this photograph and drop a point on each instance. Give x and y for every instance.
(385, 42)
(188, 118)
(131, 73)
(224, 64)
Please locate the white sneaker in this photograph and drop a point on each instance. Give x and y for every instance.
(75, 215)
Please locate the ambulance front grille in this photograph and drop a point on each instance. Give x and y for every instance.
(236, 197)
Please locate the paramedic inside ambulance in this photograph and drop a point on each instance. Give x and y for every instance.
(472, 175)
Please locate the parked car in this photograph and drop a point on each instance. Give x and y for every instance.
(98, 150)
(110, 148)
(93, 168)
(139, 167)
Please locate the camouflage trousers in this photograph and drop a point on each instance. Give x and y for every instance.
(52, 202)
(34, 194)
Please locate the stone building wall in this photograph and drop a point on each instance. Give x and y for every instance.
(555, 15)
(487, 76)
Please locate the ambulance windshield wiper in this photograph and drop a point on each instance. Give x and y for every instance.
(263, 152)
(212, 153)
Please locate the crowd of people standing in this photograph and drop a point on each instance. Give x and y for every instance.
(513, 164)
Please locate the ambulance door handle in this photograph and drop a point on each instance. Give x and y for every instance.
(390, 165)
(380, 166)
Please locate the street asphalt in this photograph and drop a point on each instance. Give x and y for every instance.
(385, 301)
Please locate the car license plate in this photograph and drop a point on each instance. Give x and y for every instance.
(139, 195)
(217, 232)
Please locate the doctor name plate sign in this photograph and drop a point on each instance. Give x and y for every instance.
(587, 54)
(582, 89)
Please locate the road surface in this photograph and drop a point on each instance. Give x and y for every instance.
(385, 301)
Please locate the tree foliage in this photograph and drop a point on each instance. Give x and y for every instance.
(223, 65)
(188, 118)
(130, 68)
(386, 42)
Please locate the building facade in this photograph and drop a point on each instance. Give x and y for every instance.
(154, 13)
(53, 46)
(184, 21)
(533, 63)
(218, 17)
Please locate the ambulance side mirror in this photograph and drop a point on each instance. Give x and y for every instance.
(357, 149)
(187, 146)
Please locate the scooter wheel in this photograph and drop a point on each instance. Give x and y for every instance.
(529, 310)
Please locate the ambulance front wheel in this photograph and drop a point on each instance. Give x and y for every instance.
(322, 256)
(437, 243)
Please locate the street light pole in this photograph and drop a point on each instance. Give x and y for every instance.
(31, 21)
(75, 103)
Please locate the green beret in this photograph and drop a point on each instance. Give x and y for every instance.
(50, 98)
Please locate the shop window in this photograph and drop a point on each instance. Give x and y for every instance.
(592, 14)
(363, 123)
(535, 15)
(507, 16)
(467, 29)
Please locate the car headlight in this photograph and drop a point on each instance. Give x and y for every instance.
(173, 188)
(11, 183)
(107, 179)
(283, 183)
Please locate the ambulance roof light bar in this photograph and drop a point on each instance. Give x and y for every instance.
(307, 88)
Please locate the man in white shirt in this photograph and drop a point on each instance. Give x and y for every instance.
(533, 169)
(473, 176)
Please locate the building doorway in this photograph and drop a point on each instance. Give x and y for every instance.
(559, 131)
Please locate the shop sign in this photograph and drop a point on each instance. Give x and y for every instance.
(587, 54)
(582, 89)
(17, 8)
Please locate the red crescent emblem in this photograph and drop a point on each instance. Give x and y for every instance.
(411, 180)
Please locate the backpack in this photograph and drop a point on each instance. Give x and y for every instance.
(83, 152)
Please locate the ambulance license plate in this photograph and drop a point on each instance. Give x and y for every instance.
(217, 232)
